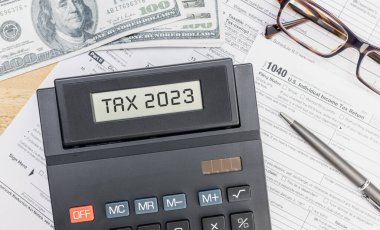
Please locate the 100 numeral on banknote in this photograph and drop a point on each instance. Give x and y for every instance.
(35, 33)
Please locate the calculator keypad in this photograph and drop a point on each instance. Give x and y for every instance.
(239, 221)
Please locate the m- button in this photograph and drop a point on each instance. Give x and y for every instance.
(210, 197)
(81, 214)
(174, 202)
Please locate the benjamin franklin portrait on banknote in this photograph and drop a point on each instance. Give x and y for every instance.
(65, 25)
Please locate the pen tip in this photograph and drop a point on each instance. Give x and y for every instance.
(287, 118)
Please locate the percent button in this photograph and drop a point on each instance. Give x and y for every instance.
(242, 221)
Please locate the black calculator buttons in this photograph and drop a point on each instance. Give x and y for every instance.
(123, 228)
(150, 227)
(240, 193)
(242, 221)
(214, 223)
(178, 225)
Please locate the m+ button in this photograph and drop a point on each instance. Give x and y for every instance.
(210, 197)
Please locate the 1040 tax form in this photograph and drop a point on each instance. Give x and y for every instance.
(305, 191)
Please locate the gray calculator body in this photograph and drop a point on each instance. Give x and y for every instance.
(141, 172)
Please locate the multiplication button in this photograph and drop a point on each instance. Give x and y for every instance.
(214, 223)
(240, 193)
(242, 221)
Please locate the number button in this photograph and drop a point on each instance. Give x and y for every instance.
(150, 227)
(242, 221)
(178, 225)
(214, 223)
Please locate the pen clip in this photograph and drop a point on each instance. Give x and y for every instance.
(374, 204)
(369, 199)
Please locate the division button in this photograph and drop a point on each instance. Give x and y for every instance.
(145, 206)
(174, 202)
(214, 223)
(210, 197)
(117, 209)
(178, 225)
(81, 214)
(150, 227)
(242, 221)
(241, 193)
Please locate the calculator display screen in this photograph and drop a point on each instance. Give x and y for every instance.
(146, 101)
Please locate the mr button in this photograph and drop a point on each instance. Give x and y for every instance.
(81, 214)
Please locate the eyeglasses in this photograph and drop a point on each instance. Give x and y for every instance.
(319, 31)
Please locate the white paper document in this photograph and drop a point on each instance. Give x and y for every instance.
(305, 191)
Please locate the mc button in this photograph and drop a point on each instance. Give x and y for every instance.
(81, 214)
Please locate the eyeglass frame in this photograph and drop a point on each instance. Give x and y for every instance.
(352, 41)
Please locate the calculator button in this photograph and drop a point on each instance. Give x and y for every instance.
(81, 214)
(145, 206)
(150, 227)
(242, 221)
(241, 193)
(214, 223)
(210, 197)
(174, 202)
(117, 209)
(122, 228)
(178, 225)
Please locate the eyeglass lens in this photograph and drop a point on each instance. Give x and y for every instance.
(369, 70)
(312, 27)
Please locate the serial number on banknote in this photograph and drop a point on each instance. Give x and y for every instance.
(11, 10)
(122, 5)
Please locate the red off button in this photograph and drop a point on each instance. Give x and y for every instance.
(81, 214)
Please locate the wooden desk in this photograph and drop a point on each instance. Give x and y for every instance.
(15, 92)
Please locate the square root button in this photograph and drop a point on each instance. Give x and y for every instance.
(145, 206)
(210, 197)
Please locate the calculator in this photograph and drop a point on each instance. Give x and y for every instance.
(173, 147)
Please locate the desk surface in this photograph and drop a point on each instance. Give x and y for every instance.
(15, 92)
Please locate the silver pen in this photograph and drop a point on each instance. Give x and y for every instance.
(368, 190)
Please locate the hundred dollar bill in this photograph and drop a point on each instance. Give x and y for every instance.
(203, 27)
(35, 33)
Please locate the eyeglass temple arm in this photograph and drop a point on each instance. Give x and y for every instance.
(331, 26)
(375, 56)
(274, 29)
